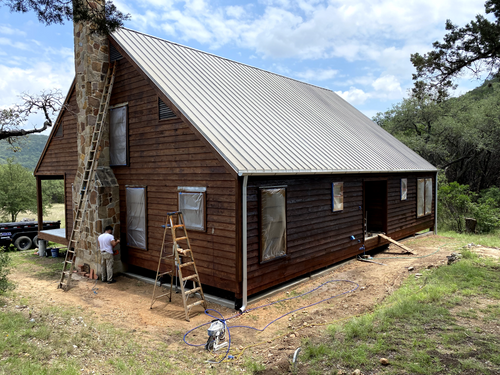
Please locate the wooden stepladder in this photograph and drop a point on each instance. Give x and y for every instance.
(181, 259)
(88, 175)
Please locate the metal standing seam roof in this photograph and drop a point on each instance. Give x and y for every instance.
(265, 123)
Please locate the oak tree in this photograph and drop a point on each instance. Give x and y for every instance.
(13, 120)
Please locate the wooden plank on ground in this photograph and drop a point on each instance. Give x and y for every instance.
(407, 249)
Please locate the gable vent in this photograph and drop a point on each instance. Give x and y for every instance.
(163, 111)
(114, 54)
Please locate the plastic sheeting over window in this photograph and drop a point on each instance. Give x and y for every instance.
(273, 223)
(337, 196)
(192, 206)
(136, 217)
(118, 136)
(428, 196)
(420, 197)
(404, 189)
(424, 196)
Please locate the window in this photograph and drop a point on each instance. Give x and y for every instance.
(136, 217)
(337, 196)
(192, 206)
(118, 136)
(404, 189)
(272, 223)
(424, 196)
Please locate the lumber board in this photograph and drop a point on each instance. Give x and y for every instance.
(405, 248)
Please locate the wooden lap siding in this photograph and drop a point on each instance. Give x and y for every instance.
(165, 154)
(316, 236)
(61, 157)
(404, 213)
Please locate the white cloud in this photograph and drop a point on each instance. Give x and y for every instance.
(308, 29)
(11, 43)
(9, 30)
(317, 75)
(235, 11)
(354, 95)
(385, 87)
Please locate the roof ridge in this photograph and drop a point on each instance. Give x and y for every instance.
(225, 58)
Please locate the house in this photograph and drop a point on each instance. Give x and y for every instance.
(277, 178)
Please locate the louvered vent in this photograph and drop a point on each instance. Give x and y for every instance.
(113, 53)
(59, 132)
(164, 111)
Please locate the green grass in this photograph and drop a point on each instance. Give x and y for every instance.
(488, 239)
(55, 339)
(46, 268)
(418, 328)
(63, 341)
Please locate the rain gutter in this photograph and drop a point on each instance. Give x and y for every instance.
(314, 172)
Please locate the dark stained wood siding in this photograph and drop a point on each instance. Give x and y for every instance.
(61, 156)
(163, 155)
(316, 236)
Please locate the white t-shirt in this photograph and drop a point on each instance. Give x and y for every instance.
(105, 242)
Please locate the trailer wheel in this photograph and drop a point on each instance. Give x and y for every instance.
(35, 241)
(23, 243)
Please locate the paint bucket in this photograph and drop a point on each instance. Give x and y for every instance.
(55, 252)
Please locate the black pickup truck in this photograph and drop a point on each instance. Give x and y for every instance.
(24, 235)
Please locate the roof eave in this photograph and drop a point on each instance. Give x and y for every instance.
(319, 172)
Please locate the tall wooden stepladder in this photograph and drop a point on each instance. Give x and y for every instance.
(175, 220)
(91, 161)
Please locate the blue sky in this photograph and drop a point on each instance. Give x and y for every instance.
(358, 48)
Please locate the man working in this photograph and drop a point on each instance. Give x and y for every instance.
(106, 244)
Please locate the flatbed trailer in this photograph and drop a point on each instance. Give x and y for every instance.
(24, 234)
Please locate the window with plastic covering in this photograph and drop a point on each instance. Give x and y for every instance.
(337, 196)
(192, 206)
(404, 189)
(118, 136)
(136, 217)
(272, 223)
(424, 196)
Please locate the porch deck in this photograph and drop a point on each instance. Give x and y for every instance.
(54, 235)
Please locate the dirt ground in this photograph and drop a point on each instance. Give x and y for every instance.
(126, 304)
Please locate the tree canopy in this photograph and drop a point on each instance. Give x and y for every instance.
(17, 190)
(104, 20)
(459, 135)
(473, 48)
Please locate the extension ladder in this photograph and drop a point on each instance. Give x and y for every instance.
(175, 220)
(88, 176)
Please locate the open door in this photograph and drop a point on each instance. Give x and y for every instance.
(375, 208)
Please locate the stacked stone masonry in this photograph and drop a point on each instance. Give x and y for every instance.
(91, 68)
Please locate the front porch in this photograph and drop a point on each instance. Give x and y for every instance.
(54, 235)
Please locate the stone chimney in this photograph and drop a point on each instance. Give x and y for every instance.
(103, 208)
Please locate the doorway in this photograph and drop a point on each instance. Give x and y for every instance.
(375, 208)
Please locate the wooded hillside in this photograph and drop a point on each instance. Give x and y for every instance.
(460, 135)
(31, 148)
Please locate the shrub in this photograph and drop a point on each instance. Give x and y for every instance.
(456, 202)
(4, 271)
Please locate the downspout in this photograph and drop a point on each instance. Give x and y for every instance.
(244, 244)
(436, 207)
